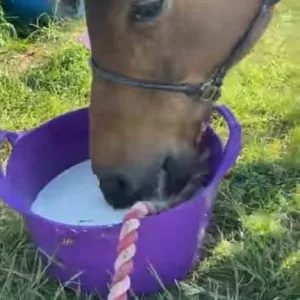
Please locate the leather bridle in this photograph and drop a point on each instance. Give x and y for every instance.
(205, 91)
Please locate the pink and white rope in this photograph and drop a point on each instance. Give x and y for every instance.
(127, 249)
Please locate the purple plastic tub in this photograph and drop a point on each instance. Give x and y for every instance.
(170, 242)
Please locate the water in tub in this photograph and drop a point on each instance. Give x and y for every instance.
(74, 198)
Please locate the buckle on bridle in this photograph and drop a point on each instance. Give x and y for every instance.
(210, 92)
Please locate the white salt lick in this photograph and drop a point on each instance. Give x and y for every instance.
(74, 198)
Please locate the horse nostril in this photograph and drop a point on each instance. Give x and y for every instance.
(123, 184)
(115, 185)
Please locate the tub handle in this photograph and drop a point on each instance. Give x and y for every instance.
(12, 138)
(233, 146)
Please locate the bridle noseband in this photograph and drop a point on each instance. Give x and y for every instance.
(205, 91)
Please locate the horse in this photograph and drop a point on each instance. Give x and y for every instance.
(157, 70)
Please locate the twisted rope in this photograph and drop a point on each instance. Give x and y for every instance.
(127, 249)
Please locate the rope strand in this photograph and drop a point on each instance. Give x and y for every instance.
(126, 250)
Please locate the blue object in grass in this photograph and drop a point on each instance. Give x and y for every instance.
(28, 9)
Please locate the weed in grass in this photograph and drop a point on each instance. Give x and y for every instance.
(7, 31)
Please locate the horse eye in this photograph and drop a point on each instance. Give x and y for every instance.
(146, 10)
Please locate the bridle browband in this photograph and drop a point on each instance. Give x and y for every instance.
(205, 91)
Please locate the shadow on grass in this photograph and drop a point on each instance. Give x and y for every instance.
(259, 185)
(252, 246)
(259, 267)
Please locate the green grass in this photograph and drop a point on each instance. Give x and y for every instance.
(252, 250)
